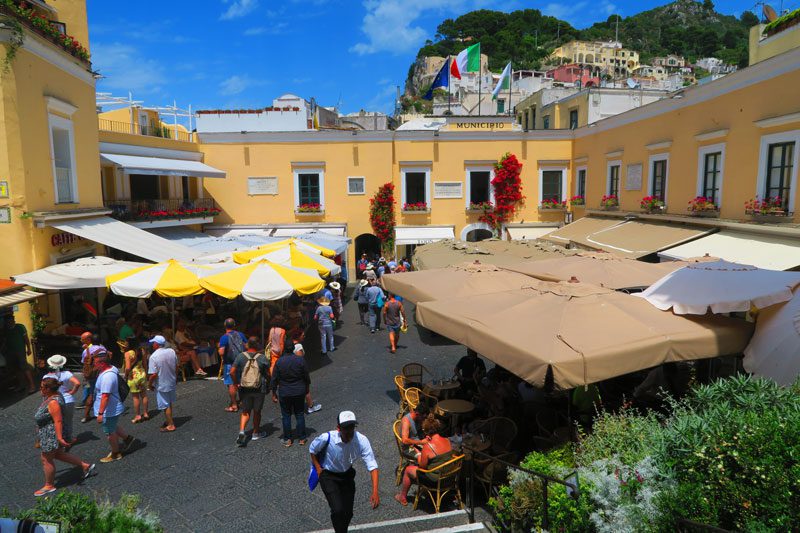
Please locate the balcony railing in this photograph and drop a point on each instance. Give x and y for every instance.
(152, 210)
(150, 130)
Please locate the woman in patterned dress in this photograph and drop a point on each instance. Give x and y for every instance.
(49, 436)
(136, 376)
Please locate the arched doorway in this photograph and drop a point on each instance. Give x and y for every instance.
(369, 244)
(476, 232)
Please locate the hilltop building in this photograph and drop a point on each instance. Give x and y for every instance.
(608, 59)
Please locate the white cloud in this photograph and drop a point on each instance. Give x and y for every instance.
(383, 99)
(255, 31)
(389, 24)
(238, 8)
(124, 68)
(238, 84)
(280, 28)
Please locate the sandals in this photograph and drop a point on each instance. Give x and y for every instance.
(232, 409)
(89, 471)
(145, 417)
(137, 419)
(400, 500)
(168, 429)
(44, 491)
(302, 442)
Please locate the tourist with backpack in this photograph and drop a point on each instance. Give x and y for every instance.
(231, 344)
(362, 301)
(110, 392)
(250, 373)
(163, 368)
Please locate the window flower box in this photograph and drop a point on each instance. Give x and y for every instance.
(418, 207)
(309, 209)
(609, 202)
(577, 201)
(553, 205)
(652, 205)
(38, 23)
(703, 207)
(480, 207)
(769, 210)
(782, 23)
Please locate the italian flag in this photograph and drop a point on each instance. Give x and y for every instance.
(468, 60)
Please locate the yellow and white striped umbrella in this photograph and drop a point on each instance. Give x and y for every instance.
(262, 280)
(249, 255)
(294, 256)
(172, 279)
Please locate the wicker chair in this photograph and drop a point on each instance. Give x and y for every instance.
(415, 374)
(446, 480)
(415, 395)
(490, 473)
(404, 461)
(400, 383)
(500, 431)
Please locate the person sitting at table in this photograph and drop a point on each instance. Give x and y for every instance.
(436, 451)
(410, 434)
(186, 348)
(469, 371)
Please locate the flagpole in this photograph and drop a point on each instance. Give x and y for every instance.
(479, 87)
(510, 81)
(449, 86)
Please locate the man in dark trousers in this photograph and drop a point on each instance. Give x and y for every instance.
(333, 454)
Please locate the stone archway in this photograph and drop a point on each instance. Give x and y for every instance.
(477, 232)
(367, 243)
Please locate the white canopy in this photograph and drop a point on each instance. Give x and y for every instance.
(160, 166)
(83, 273)
(763, 251)
(422, 234)
(774, 350)
(127, 238)
(722, 286)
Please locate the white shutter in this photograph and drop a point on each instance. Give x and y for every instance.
(448, 189)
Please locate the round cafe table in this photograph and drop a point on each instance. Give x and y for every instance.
(442, 390)
(454, 409)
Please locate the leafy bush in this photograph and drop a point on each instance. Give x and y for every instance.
(80, 514)
(626, 434)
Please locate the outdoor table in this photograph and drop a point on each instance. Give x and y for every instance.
(442, 390)
(454, 409)
(474, 442)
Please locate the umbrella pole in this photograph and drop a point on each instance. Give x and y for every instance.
(263, 337)
(172, 315)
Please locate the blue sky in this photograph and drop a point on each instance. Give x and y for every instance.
(244, 53)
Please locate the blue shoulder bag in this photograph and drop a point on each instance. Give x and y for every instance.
(313, 477)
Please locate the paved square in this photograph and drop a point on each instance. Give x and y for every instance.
(196, 479)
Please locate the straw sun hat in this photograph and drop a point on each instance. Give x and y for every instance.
(323, 301)
(56, 361)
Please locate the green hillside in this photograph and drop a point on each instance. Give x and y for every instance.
(685, 27)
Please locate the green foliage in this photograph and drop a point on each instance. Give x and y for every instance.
(80, 514)
(780, 21)
(626, 434)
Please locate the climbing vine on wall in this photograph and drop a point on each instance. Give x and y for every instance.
(508, 197)
(381, 215)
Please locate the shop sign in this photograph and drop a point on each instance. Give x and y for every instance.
(480, 125)
(61, 239)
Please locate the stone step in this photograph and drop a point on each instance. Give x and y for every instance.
(449, 522)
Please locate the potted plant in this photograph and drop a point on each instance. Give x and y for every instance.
(309, 208)
(609, 202)
(652, 204)
(782, 23)
(577, 201)
(767, 210)
(701, 206)
(549, 204)
(480, 207)
(417, 206)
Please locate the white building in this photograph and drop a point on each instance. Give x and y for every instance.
(287, 113)
(715, 65)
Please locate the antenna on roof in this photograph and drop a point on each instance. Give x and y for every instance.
(768, 12)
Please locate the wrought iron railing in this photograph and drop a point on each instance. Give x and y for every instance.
(545, 480)
(151, 130)
(150, 210)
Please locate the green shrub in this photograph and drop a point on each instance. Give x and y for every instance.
(519, 504)
(626, 435)
(80, 514)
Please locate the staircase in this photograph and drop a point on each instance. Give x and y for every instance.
(449, 522)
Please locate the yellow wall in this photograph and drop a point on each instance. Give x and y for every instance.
(735, 111)
(761, 49)
(73, 14)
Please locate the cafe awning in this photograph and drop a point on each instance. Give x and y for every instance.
(763, 251)
(82, 273)
(14, 294)
(580, 229)
(161, 166)
(520, 232)
(127, 238)
(422, 234)
(637, 238)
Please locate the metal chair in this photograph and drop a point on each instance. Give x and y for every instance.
(500, 432)
(437, 482)
(404, 460)
(415, 374)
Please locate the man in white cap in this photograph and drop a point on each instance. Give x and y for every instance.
(164, 368)
(333, 454)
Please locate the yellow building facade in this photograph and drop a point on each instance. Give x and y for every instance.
(608, 58)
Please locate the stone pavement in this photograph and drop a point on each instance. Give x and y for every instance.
(196, 479)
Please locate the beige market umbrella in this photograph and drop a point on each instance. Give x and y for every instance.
(584, 334)
(465, 279)
(600, 268)
(774, 350)
(496, 252)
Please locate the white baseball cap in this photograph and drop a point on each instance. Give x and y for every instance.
(347, 418)
(159, 339)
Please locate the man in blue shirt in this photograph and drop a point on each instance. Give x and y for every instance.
(373, 294)
(108, 407)
(231, 344)
(324, 317)
(339, 450)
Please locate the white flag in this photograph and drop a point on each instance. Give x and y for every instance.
(504, 83)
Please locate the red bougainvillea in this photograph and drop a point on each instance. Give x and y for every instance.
(507, 192)
(381, 214)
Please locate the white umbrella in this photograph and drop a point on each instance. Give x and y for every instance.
(83, 273)
(723, 286)
(774, 350)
